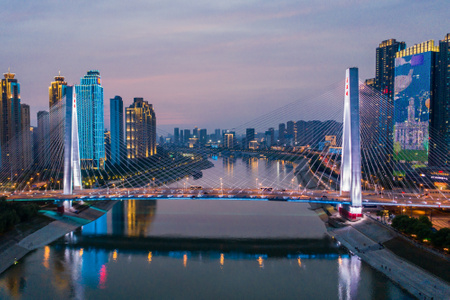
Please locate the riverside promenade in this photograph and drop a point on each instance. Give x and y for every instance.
(365, 239)
(15, 250)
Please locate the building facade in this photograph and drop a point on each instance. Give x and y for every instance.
(89, 94)
(203, 136)
(291, 133)
(43, 139)
(414, 81)
(249, 136)
(187, 135)
(27, 143)
(140, 129)
(10, 123)
(281, 133)
(384, 83)
(56, 93)
(176, 135)
(439, 150)
(228, 139)
(117, 131)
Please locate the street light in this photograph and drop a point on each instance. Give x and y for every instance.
(221, 186)
(256, 183)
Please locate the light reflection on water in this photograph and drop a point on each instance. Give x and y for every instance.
(112, 274)
(248, 172)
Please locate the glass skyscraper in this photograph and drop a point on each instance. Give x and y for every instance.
(412, 100)
(10, 123)
(384, 82)
(439, 151)
(117, 133)
(89, 95)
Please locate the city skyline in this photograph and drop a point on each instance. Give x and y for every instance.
(215, 63)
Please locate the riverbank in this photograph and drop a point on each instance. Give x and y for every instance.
(369, 240)
(45, 231)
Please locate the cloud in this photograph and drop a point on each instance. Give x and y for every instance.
(210, 62)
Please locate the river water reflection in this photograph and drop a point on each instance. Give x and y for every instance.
(248, 172)
(197, 249)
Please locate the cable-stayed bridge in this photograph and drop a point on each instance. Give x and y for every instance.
(319, 172)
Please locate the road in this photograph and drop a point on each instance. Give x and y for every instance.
(321, 196)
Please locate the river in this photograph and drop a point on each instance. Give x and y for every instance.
(200, 249)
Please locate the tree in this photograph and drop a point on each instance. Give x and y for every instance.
(425, 220)
(441, 238)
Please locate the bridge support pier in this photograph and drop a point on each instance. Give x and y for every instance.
(63, 205)
(350, 184)
(72, 170)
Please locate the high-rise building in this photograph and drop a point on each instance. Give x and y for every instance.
(217, 134)
(414, 72)
(43, 139)
(301, 133)
(117, 132)
(176, 135)
(140, 129)
(203, 134)
(384, 82)
(385, 66)
(268, 138)
(228, 139)
(281, 133)
(439, 151)
(272, 136)
(187, 135)
(195, 132)
(291, 132)
(34, 139)
(107, 136)
(27, 155)
(249, 136)
(56, 93)
(89, 97)
(10, 124)
(181, 142)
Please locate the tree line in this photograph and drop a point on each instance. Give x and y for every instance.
(423, 229)
(12, 213)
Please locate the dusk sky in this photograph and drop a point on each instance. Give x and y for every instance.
(213, 64)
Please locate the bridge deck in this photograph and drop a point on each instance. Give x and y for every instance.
(305, 196)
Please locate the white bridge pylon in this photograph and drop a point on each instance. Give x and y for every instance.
(351, 148)
(72, 170)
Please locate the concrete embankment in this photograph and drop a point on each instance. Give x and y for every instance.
(365, 239)
(51, 232)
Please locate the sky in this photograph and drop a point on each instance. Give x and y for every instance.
(211, 64)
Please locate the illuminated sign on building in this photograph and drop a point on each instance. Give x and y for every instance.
(412, 107)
